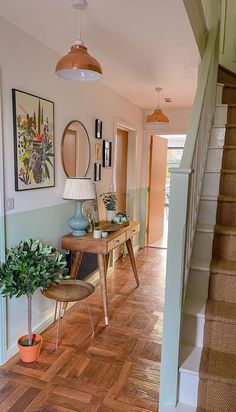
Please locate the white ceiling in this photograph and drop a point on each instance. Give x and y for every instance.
(140, 44)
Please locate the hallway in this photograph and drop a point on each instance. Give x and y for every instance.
(118, 370)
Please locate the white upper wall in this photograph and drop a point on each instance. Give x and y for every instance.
(140, 44)
(28, 65)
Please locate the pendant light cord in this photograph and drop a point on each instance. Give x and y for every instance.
(79, 25)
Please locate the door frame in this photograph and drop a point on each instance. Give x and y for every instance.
(3, 309)
(131, 165)
(148, 183)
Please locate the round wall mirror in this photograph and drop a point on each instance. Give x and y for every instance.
(75, 150)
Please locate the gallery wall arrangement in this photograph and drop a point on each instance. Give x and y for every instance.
(103, 152)
(33, 122)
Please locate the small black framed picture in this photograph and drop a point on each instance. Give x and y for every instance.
(106, 153)
(98, 129)
(97, 171)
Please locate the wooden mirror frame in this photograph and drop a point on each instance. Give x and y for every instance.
(62, 146)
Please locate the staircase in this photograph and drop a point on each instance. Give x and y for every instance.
(208, 350)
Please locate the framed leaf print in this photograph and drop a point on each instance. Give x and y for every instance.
(106, 153)
(33, 121)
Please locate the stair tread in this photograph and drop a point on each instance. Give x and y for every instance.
(230, 125)
(230, 85)
(220, 311)
(225, 198)
(218, 365)
(190, 357)
(229, 147)
(225, 230)
(225, 267)
(228, 171)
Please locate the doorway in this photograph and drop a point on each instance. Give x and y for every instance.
(163, 156)
(2, 243)
(122, 138)
(156, 189)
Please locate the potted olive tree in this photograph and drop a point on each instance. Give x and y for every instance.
(110, 201)
(29, 265)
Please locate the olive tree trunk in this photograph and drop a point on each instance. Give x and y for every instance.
(29, 297)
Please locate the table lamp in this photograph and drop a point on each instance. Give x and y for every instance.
(80, 189)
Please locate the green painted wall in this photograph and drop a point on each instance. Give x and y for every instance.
(47, 224)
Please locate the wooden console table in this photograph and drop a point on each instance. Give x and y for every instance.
(102, 247)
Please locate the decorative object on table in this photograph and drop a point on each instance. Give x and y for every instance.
(112, 226)
(106, 153)
(75, 149)
(104, 234)
(98, 129)
(95, 210)
(80, 189)
(157, 115)
(97, 172)
(110, 202)
(97, 233)
(98, 151)
(91, 222)
(33, 120)
(121, 217)
(78, 64)
(29, 265)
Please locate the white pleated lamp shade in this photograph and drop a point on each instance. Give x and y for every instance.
(78, 188)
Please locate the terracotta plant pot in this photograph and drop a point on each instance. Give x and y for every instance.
(30, 353)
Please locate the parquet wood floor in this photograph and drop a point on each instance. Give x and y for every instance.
(117, 370)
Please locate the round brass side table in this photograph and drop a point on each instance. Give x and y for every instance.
(69, 291)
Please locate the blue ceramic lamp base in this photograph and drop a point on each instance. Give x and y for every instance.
(78, 223)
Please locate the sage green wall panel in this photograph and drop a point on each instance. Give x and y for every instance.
(143, 215)
(47, 224)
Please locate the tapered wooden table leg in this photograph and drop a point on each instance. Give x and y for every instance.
(106, 262)
(132, 260)
(102, 273)
(73, 274)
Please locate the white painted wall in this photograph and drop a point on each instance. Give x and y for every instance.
(28, 65)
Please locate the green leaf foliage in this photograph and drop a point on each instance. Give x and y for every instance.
(29, 265)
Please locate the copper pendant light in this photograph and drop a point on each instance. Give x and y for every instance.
(78, 64)
(157, 115)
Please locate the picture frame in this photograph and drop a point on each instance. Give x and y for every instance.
(97, 171)
(34, 146)
(98, 129)
(98, 151)
(106, 153)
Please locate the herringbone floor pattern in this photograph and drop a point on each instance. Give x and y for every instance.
(117, 370)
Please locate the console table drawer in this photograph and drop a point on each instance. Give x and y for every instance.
(116, 242)
(132, 232)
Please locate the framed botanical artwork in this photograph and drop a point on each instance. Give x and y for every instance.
(98, 151)
(97, 172)
(33, 121)
(106, 153)
(98, 129)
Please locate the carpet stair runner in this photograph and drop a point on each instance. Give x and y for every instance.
(217, 384)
